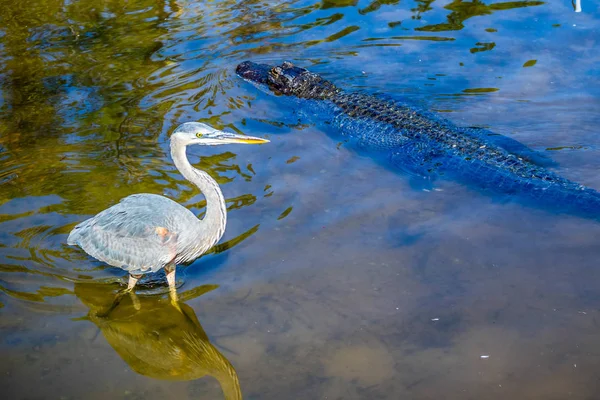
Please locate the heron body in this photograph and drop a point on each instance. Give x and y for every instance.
(146, 232)
(136, 236)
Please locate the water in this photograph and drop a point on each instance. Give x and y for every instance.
(335, 279)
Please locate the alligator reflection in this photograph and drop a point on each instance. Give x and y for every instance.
(156, 339)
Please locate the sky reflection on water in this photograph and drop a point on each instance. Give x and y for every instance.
(337, 279)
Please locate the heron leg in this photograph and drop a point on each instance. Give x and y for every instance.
(133, 279)
(170, 271)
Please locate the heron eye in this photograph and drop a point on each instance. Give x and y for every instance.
(199, 135)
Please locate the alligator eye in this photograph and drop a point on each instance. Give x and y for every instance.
(277, 71)
(287, 65)
(199, 135)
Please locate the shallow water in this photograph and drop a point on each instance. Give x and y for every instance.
(336, 278)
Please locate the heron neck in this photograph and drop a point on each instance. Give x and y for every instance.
(229, 382)
(215, 219)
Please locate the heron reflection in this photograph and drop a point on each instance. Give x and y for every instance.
(157, 339)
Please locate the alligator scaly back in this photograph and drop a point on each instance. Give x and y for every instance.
(421, 142)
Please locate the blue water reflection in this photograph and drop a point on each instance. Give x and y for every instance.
(337, 277)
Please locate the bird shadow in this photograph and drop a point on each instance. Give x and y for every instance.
(156, 338)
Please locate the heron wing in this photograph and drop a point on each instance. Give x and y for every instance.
(139, 234)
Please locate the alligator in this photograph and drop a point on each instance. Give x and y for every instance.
(424, 144)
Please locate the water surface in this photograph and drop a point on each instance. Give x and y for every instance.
(336, 278)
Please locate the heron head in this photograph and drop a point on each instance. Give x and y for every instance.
(199, 133)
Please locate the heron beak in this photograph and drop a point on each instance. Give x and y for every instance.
(227, 137)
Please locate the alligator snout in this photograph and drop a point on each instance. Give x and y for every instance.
(257, 73)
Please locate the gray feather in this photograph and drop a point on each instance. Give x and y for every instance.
(128, 234)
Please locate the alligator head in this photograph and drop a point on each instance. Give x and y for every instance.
(287, 79)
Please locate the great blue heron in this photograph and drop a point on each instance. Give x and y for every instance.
(146, 232)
